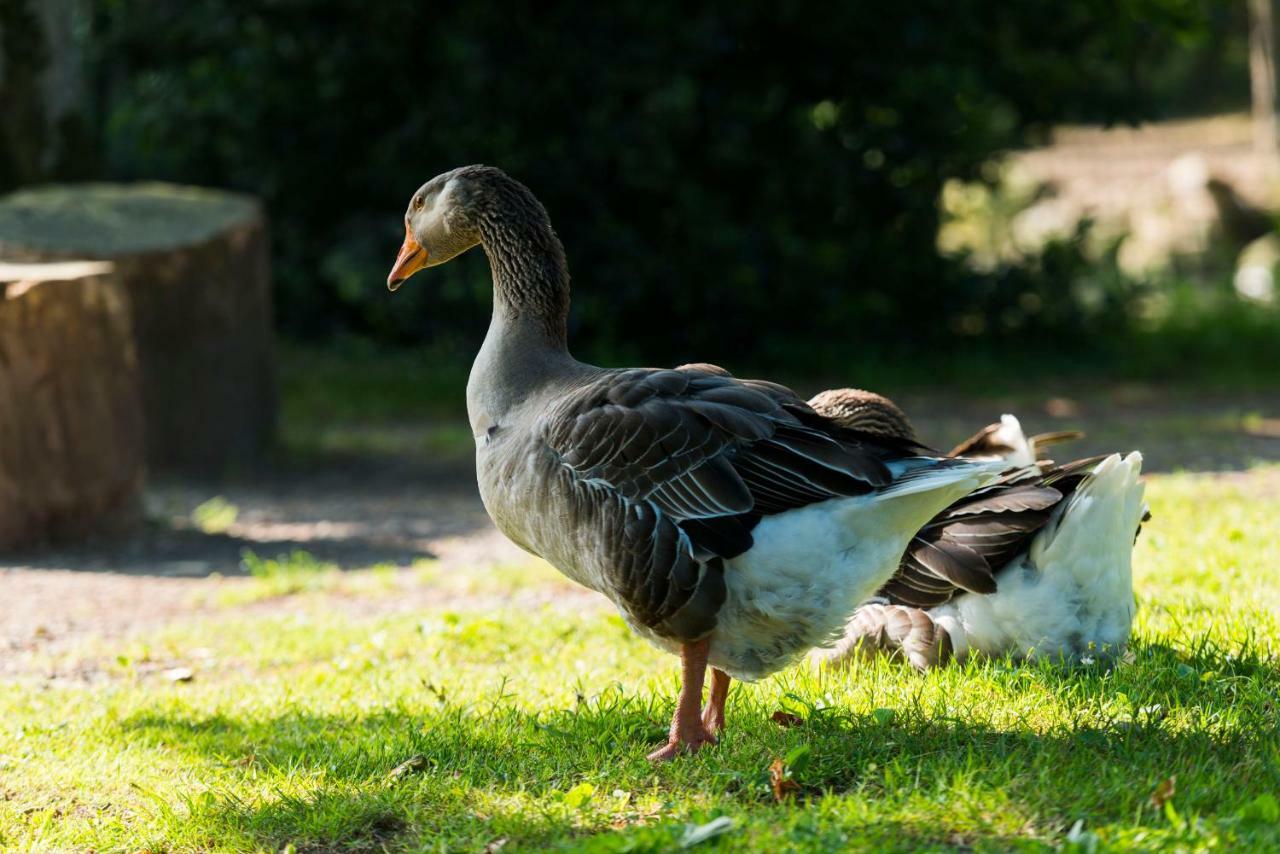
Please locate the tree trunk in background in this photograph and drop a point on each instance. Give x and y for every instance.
(23, 57)
(43, 134)
(1262, 75)
(194, 266)
(71, 450)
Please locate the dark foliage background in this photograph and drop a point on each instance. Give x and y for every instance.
(754, 183)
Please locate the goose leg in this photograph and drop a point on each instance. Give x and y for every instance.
(687, 730)
(713, 714)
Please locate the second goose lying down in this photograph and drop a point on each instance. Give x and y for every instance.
(1037, 563)
(727, 521)
(875, 413)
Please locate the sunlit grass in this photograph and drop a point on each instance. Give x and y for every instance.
(300, 572)
(494, 579)
(458, 727)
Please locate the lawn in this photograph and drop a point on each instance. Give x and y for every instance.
(481, 725)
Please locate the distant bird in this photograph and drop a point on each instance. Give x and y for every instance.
(727, 521)
(1037, 563)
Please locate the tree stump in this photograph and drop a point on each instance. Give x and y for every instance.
(194, 265)
(71, 448)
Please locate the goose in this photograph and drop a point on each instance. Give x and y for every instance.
(728, 522)
(1001, 440)
(1037, 563)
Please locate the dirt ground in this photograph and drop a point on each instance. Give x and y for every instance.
(356, 512)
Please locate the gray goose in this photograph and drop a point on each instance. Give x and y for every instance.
(1037, 563)
(726, 520)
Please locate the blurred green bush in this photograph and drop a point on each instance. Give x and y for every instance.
(756, 183)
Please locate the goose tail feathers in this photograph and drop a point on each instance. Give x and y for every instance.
(1099, 520)
(1073, 595)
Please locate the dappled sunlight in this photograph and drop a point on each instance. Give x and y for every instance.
(316, 757)
(530, 723)
(520, 706)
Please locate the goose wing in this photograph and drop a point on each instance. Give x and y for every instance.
(965, 547)
(691, 461)
(710, 449)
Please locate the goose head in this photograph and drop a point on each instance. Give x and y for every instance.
(867, 411)
(441, 220)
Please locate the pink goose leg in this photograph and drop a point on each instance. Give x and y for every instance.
(713, 714)
(688, 733)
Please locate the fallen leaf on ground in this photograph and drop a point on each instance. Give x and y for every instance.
(782, 784)
(413, 763)
(787, 719)
(1164, 792)
(578, 796)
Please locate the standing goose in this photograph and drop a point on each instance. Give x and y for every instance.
(1037, 563)
(726, 520)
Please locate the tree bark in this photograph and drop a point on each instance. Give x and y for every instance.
(1262, 76)
(71, 449)
(194, 266)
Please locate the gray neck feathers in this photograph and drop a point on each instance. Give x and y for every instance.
(530, 275)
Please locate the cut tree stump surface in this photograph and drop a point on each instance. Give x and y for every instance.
(104, 220)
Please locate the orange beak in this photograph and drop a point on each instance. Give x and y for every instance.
(411, 259)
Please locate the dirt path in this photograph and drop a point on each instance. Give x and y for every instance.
(357, 513)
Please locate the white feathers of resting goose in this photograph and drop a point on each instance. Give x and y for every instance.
(1036, 564)
(724, 518)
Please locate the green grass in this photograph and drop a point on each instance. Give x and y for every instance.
(300, 572)
(452, 729)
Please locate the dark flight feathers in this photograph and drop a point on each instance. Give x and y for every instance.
(704, 447)
(964, 548)
(698, 457)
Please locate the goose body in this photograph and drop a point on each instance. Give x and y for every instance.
(1037, 564)
(725, 519)
(582, 475)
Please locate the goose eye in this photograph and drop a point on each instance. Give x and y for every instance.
(417, 203)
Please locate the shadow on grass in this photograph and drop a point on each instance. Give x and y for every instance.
(161, 549)
(478, 772)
